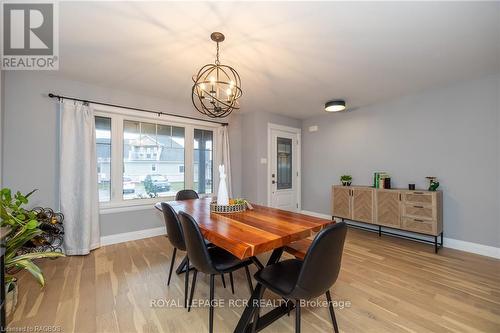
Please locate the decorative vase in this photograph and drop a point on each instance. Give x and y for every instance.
(222, 196)
(346, 183)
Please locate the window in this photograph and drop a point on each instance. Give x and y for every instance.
(141, 157)
(203, 161)
(103, 152)
(162, 179)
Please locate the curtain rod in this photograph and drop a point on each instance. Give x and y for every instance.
(159, 113)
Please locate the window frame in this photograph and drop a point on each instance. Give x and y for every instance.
(118, 115)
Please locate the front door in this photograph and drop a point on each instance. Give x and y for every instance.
(284, 170)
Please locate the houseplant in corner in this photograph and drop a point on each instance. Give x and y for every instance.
(346, 180)
(24, 226)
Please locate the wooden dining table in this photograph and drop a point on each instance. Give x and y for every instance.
(248, 234)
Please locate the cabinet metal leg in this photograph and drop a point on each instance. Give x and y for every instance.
(435, 244)
(379, 231)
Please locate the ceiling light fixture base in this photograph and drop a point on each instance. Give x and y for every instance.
(217, 37)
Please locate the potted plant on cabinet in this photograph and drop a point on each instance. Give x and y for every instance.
(346, 180)
(23, 226)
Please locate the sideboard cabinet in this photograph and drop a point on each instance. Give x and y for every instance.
(415, 211)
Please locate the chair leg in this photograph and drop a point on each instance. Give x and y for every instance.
(223, 280)
(182, 266)
(193, 285)
(211, 313)
(297, 316)
(249, 279)
(257, 312)
(332, 313)
(186, 283)
(171, 266)
(231, 281)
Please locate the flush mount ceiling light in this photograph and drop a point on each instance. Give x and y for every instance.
(335, 106)
(216, 87)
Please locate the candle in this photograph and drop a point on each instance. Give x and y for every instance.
(212, 83)
(202, 88)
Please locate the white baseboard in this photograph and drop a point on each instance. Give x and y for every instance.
(133, 235)
(321, 216)
(485, 250)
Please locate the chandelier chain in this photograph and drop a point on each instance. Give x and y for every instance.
(217, 62)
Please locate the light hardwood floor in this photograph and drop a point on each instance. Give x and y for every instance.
(393, 285)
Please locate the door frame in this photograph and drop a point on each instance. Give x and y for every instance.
(298, 133)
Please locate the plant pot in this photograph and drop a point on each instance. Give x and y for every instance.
(346, 183)
(11, 300)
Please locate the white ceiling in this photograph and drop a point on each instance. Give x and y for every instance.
(292, 57)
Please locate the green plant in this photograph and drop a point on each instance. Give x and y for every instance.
(150, 187)
(346, 178)
(24, 226)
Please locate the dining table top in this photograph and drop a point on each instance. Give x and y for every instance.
(251, 232)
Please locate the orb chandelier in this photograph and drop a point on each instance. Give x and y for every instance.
(216, 87)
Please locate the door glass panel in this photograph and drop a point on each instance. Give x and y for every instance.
(284, 163)
(203, 161)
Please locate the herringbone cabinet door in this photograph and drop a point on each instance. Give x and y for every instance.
(341, 202)
(388, 208)
(362, 204)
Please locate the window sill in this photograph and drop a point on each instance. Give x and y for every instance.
(134, 205)
(118, 207)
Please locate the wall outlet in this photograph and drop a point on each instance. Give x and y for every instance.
(263, 161)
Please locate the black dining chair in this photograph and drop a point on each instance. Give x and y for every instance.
(176, 238)
(212, 261)
(298, 280)
(186, 195)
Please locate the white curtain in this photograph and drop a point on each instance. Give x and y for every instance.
(79, 197)
(225, 154)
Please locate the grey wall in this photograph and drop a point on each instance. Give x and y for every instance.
(29, 139)
(449, 132)
(254, 147)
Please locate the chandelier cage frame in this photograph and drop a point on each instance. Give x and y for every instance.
(209, 83)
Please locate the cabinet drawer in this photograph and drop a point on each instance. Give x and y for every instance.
(419, 225)
(418, 211)
(419, 197)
